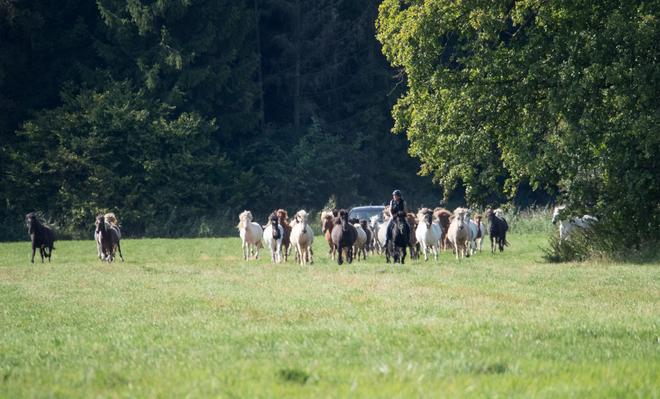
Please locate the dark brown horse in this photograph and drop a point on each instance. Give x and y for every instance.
(343, 236)
(497, 228)
(108, 235)
(400, 233)
(42, 237)
(282, 217)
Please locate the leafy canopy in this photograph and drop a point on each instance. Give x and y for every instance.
(561, 93)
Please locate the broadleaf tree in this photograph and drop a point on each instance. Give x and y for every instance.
(555, 94)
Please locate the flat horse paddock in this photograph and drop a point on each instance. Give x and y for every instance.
(191, 318)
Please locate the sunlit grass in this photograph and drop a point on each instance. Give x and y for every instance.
(184, 317)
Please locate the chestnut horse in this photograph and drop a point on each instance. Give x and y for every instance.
(328, 224)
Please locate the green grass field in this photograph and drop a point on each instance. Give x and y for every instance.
(190, 318)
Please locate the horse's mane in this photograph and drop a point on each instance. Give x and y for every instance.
(273, 216)
(110, 220)
(242, 216)
(478, 216)
(327, 215)
(364, 224)
(282, 213)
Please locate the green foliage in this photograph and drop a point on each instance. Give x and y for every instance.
(313, 170)
(117, 151)
(501, 94)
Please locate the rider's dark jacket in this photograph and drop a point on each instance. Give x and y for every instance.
(397, 206)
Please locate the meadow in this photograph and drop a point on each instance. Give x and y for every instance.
(190, 318)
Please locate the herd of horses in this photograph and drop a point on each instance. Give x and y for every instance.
(429, 231)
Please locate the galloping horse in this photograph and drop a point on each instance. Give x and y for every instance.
(443, 217)
(328, 224)
(108, 236)
(273, 235)
(250, 233)
(111, 222)
(400, 239)
(458, 233)
(282, 217)
(497, 228)
(42, 237)
(302, 238)
(428, 233)
(566, 226)
(343, 236)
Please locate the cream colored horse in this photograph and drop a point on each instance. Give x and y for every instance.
(302, 238)
(251, 234)
(459, 233)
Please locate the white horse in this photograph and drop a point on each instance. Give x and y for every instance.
(381, 235)
(360, 243)
(566, 227)
(375, 243)
(459, 233)
(302, 238)
(482, 229)
(251, 234)
(474, 232)
(426, 233)
(273, 235)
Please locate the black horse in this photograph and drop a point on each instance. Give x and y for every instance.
(497, 228)
(109, 239)
(400, 239)
(343, 236)
(42, 237)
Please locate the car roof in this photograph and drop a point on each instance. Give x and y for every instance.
(368, 208)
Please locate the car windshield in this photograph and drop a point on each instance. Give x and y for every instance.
(367, 213)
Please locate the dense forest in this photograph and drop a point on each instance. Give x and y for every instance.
(171, 112)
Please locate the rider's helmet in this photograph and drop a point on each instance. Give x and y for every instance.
(397, 192)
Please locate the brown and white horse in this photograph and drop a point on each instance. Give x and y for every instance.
(282, 217)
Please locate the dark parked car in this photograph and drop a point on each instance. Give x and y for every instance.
(366, 212)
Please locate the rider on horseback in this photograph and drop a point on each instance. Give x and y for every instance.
(396, 205)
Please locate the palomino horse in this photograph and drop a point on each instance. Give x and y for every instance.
(428, 233)
(400, 239)
(328, 224)
(282, 217)
(459, 233)
(302, 238)
(497, 228)
(273, 235)
(343, 237)
(42, 237)
(250, 233)
(566, 227)
(108, 235)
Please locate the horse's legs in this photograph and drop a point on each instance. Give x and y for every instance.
(435, 250)
(41, 252)
(119, 249)
(50, 252)
(403, 258)
(338, 250)
(33, 250)
(244, 246)
(311, 255)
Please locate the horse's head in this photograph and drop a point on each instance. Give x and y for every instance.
(274, 225)
(245, 218)
(100, 223)
(301, 217)
(282, 216)
(343, 217)
(460, 217)
(426, 215)
(499, 212)
(31, 222)
(374, 221)
(556, 214)
(477, 219)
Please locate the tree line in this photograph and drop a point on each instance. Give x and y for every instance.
(167, 111)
